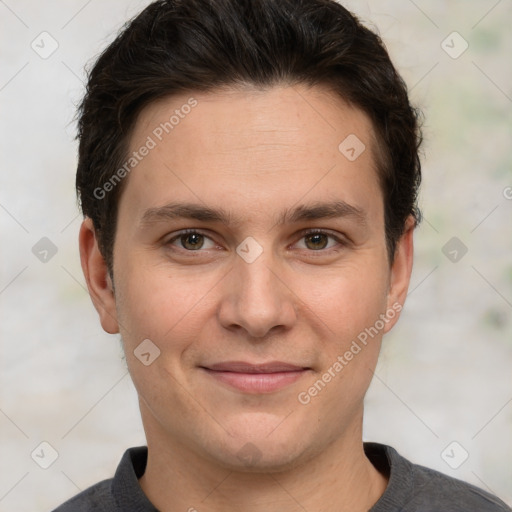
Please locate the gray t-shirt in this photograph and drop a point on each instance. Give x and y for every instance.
(411, 488)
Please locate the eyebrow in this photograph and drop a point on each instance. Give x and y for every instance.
(304, 212)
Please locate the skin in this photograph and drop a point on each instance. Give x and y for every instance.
(303, 301)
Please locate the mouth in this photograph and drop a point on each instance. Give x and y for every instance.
(255, 378)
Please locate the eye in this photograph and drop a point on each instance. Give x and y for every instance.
(317, 240)
(191, 240)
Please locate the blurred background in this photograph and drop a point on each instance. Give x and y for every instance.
(442, 394)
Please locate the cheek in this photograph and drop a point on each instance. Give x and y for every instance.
(348, 300)
(350, 310)
(152, 303)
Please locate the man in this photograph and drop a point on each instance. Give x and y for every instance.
(248, 171)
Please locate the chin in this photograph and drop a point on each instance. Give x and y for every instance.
(261, 443)
(260, 458)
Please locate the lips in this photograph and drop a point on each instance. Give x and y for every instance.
(255, 378)
(242, 367)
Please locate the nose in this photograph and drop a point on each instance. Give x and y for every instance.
(257, 299)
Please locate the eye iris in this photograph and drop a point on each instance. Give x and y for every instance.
(195, 239)
(317, 238)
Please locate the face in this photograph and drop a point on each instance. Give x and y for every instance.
(250, 252)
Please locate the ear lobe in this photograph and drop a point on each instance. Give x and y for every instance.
(401, 269)
(98, 280)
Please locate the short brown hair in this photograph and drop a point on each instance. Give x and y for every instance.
(175, 46)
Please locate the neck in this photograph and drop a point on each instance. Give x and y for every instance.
(340, 478)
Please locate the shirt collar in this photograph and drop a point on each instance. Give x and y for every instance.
(128, 493)
(126, 489)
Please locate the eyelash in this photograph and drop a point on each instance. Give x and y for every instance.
(341, 241)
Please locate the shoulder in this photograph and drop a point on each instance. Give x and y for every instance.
(97, 497)
(415, 488)
(438, 490)
(120, 493)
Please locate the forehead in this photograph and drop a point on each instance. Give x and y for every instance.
(251, 147)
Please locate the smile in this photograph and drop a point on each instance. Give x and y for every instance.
(256, 378)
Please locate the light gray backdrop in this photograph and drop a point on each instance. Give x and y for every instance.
(443, 388)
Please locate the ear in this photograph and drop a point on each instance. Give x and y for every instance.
(401, 269)
(97, 277)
